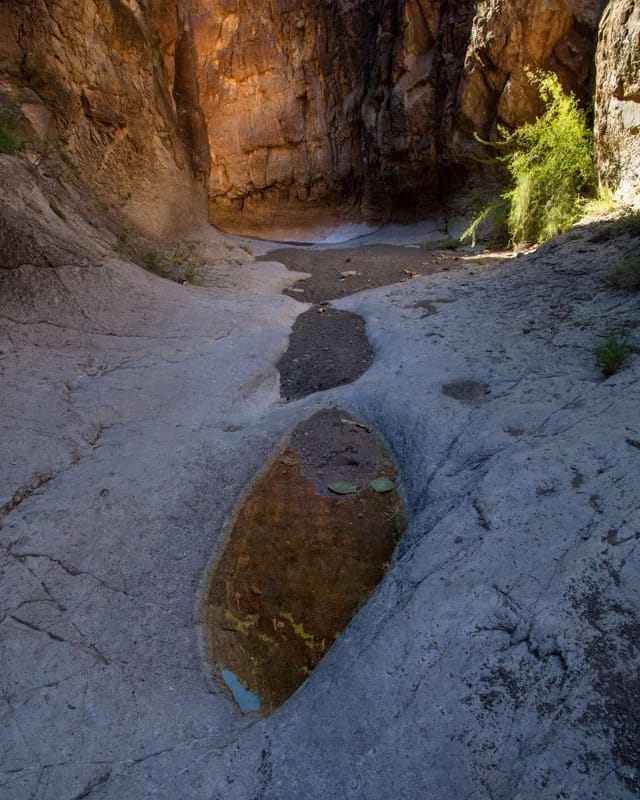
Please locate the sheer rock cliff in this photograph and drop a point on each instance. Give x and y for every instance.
(373, 104)
(618, 100)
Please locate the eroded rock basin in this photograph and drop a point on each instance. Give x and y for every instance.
(310, 543)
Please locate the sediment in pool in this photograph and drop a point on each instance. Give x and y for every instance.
(327, 348)
(310, 543)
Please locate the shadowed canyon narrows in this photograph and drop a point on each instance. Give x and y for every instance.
(431, 589)
(282, 114)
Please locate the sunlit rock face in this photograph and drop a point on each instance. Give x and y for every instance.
(295, 90)
(510, 39)
(107, 93)
(618, 100)
(373, 104)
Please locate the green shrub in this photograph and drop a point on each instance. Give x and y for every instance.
(626, 275)
(550, 162)
(613, 352)
(496, 213)
(10, 139)
(177, 262)
(153, 261)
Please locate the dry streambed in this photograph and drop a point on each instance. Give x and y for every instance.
(499, 654)
(329, 347)
(317, 530)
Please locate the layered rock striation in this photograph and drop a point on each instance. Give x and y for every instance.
(107, 92)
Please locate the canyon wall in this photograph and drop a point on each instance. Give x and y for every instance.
(283, 107)
(618, 100)
(105, 94)
(374, 103)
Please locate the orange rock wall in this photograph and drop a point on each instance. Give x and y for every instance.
(108, 91)
(365, 105)
(373, 103)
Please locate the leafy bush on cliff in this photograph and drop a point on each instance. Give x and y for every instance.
(550, 162)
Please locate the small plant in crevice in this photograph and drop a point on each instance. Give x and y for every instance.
(151, 260)
(626, 275)
(10, 139)
(192, 275)
(550, 162)
(614, 351)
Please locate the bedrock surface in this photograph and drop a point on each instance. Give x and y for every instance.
(498, 658)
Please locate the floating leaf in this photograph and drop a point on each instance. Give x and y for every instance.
(382, 485)
(342, 487)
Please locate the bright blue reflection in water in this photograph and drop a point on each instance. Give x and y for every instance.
(248, 701)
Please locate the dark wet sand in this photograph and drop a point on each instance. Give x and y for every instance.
(377, 265)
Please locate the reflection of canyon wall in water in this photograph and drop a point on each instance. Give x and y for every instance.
(373, 102)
